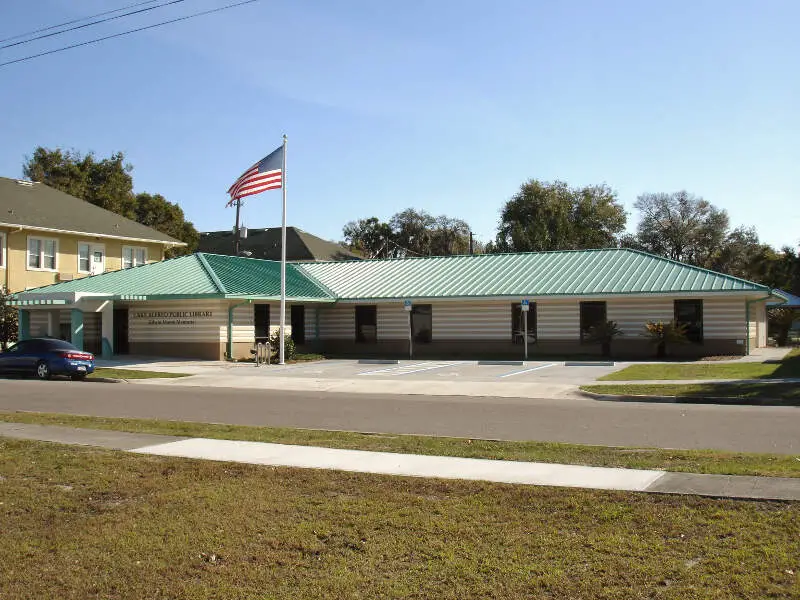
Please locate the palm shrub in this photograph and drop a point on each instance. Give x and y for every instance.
(603, 333)
(661, 333)
(781, 320)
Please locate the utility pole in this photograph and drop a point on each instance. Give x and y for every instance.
(236, 229)
(471, 251)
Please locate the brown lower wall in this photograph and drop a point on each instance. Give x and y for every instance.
(204, 350)
(627, 349)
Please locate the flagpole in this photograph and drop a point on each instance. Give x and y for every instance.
(283, 255)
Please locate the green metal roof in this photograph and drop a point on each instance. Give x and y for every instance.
(196, 275)
(567, 273)
(563, 273)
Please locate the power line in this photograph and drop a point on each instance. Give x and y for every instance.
(128, 14)
(108, 12)
(116, 35)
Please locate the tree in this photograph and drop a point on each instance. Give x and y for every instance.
(604, 333)
(410, 232)
(8, 320)
(370, 237)
(681, 226)
(553, 216)
(107, 183)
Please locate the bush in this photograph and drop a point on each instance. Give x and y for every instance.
(661, 333)
(8, 320)
(289, 350)
(604, 333)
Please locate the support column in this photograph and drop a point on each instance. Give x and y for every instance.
(24, 331)
(53, 323)
(107, 330)
(76, 327)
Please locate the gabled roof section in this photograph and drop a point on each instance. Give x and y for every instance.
(266, 244)
(38, 206)
(182, 276)
(252, 277)
(563, 273)
(195, 276)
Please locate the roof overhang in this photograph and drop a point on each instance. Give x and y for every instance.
(22, 226)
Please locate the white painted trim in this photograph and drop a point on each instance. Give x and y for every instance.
(3, 240)
(21, 227)
(28, 266)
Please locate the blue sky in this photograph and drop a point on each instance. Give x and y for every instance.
(446, 106)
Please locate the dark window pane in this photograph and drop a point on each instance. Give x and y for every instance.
(261, 322)
(367, 324)
(518, 320)
(298, 321)
(592, 313)
(690, 313)
(422, 323)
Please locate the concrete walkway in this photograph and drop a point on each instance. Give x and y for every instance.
(386, 463)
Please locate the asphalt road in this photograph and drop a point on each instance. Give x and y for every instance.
(734, 428)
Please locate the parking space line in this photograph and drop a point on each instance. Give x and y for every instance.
(394, 368)
(429, 368)
(512, 373)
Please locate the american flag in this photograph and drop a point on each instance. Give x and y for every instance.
(265, 175)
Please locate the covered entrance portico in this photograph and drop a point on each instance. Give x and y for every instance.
(85, 320)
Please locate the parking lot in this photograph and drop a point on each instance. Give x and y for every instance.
(576, 373)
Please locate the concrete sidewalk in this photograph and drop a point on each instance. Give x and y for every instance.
(385, 463)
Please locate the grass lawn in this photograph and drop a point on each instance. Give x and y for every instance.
(81, 523)
(690, 461)
(789, 367)
(784, 391)
(112, 373)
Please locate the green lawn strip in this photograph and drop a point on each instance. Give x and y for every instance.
(788, 368)
(690, 461)
(113, 373)
(89, 523)
(779, 391)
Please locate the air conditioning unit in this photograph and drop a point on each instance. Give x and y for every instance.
(66, 276)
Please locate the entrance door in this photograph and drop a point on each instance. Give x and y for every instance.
(298, 321)
(121, 331)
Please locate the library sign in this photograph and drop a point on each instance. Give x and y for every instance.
(176, 317)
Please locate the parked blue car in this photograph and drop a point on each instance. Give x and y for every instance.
(45, 357)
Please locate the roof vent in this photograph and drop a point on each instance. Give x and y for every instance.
(25, 183)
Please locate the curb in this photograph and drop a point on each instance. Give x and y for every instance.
(105, 380)
(692, 399)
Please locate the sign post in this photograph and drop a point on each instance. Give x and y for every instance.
(525, 306)
(407, 307)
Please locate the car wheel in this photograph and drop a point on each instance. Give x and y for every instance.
(42, 370)
(78, 377)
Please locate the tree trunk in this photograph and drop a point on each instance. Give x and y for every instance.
(661, 351)
(606, 349)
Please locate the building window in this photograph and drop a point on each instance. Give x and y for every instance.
(2, 250)
(518, 323)
(690, 313)
(366, 324)
(592, 313)
(298, 320)
(422, 323)
(261, 322)
(84, 264)
(42, 254)
(133, 256)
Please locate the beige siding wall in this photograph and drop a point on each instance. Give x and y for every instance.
(557, 319)
(147, 328)
(38, 322)
(311, 322)
(243, 326)
(631, 314)
(392, 322)
(723, 318)
(470, 320)
(338, 322)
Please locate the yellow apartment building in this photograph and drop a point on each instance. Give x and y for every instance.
(47, 236)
